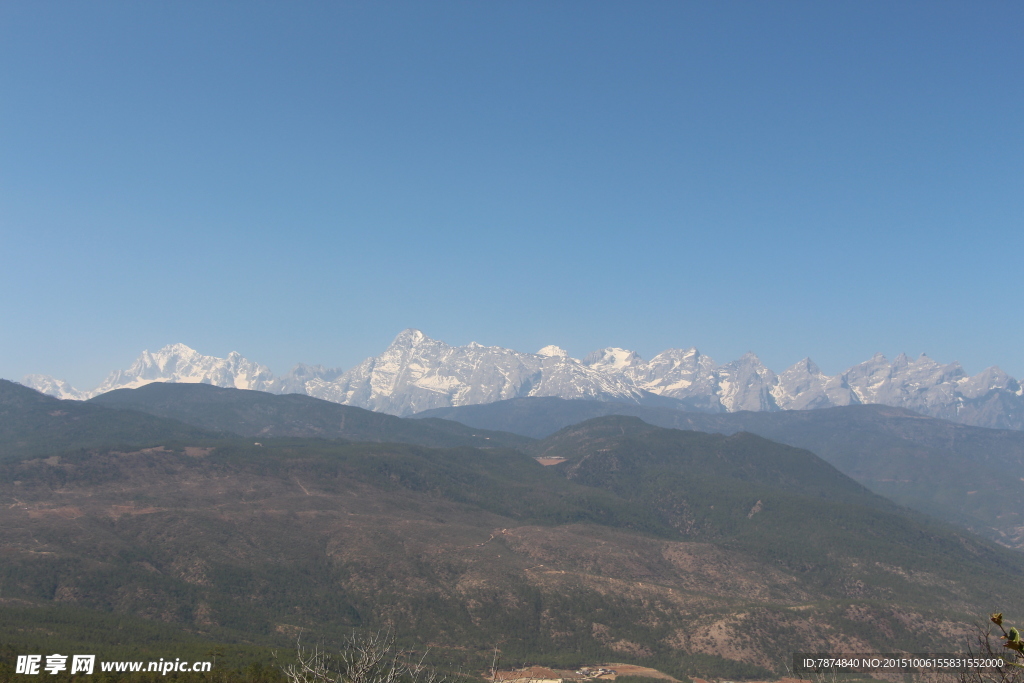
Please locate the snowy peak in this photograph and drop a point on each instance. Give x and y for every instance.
(746, 384)
(682, 374)
(612, 360)
(172, 363)
(802, 386)
(409, 338)
(988, 380)
(180, 363)
(418, 373)
(57, 388)
(808, 367)
(923, 385)
(296, 379)
(166, 362)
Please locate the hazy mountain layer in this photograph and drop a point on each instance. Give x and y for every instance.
(417, 373)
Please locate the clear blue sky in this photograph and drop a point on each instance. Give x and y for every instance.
(301, 181)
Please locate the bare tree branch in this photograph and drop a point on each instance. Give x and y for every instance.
(368, 658)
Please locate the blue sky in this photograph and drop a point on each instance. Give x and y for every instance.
(301, 181)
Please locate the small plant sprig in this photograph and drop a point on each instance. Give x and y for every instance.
(1011, 639)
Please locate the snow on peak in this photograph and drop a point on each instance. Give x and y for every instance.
(172, 363)
(178, 349)
(552, 350)
(410, 337)
(809, 366)
(612, 359)
(54, 387)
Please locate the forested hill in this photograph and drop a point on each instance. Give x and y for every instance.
(748, 492)
(260, 414)
(33, 424)
(950, 471)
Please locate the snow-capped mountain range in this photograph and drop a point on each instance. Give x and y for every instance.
(417, 373)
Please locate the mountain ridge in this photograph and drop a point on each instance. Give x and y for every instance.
(417, 373)
(263, 415)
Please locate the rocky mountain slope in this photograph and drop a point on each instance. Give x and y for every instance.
(417, 373)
